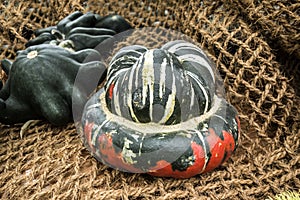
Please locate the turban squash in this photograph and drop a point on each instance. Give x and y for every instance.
(159, 113)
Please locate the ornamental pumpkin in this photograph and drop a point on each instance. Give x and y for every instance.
(80, 31)
(159, 113)
(41, 83)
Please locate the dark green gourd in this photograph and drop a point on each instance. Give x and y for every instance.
(41, 81)
(81, 31)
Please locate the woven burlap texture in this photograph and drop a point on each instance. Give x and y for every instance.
(51, 162)
(278, 20)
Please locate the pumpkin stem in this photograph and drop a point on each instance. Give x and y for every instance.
(32, 54)
(59, 35)
(67, 44)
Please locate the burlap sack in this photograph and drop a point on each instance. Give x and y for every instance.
(51, 162)
(277, 20)
(279, 23)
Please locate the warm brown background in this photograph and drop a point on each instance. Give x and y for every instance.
(254, 44)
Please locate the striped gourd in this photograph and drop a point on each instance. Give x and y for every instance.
(158, 113)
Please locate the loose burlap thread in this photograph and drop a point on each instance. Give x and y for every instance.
(51, 162)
